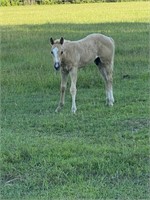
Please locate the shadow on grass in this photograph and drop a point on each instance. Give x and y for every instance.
(77, 31)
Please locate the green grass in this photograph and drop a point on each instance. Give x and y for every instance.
(99, 153)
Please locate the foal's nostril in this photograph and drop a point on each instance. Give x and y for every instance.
(57, 66)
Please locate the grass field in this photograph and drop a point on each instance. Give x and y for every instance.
(99, 153)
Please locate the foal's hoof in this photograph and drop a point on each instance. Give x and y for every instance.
(60, 106)
(73, 110)
(58, 109)
(109, 103)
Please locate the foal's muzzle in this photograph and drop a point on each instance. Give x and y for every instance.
(57, 65)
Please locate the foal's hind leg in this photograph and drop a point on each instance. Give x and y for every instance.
(107, 74)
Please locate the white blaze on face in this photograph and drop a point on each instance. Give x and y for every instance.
(55, 51)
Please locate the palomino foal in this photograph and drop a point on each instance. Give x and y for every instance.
(71, 55)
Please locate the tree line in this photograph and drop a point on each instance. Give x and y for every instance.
(48, 2)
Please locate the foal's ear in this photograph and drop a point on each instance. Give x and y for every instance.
(51, 41)
(61, 40)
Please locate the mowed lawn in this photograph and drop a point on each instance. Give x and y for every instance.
(99, 153)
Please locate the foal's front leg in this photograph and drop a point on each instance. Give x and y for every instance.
(73, 90)
(64, 76)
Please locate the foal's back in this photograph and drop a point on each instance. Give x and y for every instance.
(87, 49)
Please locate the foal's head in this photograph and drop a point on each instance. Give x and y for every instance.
(57, 51)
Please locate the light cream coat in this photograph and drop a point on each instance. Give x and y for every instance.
(71, 55)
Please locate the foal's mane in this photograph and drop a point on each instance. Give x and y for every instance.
(57, 41)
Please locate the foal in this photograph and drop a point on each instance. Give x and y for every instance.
(71, 55)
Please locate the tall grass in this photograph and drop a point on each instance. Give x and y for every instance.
(100, 153)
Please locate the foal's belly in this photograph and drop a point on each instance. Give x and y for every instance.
(86, 60)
